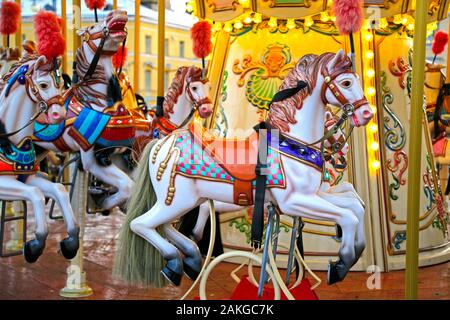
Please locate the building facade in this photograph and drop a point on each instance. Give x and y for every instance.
(178, 43)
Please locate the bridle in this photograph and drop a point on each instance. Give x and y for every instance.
(24, 76)
(330, 83)
(196, 104)
(336, 147)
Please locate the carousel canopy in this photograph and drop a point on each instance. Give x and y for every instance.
(227, 10)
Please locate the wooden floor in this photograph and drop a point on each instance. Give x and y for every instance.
(44, 279)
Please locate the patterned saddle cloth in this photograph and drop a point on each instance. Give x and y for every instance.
(212, 160)
(18, 160)
(114, 127)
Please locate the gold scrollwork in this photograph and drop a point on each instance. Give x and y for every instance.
(224, 5)
(275, 3)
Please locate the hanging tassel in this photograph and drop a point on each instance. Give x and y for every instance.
(440, 41)
(349, 18)
(95, 5)
(201, 42)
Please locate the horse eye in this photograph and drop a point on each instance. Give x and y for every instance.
(194, 88)
(43, 85)
(346, 84)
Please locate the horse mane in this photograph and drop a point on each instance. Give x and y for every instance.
(307, 69)
(99, 76)
(18, 64)
(192, 73)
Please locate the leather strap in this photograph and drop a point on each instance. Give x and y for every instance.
(260, 191)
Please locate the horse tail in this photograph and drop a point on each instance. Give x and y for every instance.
(136, 260)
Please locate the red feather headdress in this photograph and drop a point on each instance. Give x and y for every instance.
(9, 18)
(94, 5)
(349, 15)
(120, 57)
(201, 39)
(50, 41)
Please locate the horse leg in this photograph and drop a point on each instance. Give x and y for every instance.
(346, 187)
(192, 263)
(159, 215)
(12, 189)
(203, 215)
(112, 176)
(69, 246)
(314, 207)
(347, 201)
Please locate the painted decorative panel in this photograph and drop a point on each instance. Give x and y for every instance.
(395, 76)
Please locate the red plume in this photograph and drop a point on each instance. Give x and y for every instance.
(95, 4)
(349, 15)
(50, 41)
(201, 37)
(119, 59)
(439, 42)
(9, 17)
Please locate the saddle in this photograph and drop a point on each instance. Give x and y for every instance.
(238, 157)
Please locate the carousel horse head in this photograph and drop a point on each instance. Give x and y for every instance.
(321, 80)
(42, 83)
(189, 84)
(106, 35)
(342, 87)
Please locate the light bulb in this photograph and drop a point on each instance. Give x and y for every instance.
(248, 19)
(309, 22)
(238, 25)
(375, 146)
(290, 23)
(272, 22)
(370, 73)
(227, 27)
(368, 36)
(375, 164)
(373, 127)
(371, 91)
(257, 18)
(369, 54)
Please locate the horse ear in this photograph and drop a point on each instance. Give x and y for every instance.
(340, 55)
(40, 62)
(81, 31)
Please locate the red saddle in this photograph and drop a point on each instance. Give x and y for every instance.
(236, 156)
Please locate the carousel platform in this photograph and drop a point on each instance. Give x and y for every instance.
(44, 279)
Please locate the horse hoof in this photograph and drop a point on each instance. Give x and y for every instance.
(336, 272)
(32, 250)
(190, 272)
(171, 276)
(69, 247)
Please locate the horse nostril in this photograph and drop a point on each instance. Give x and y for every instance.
(56, 115)
(367, 114)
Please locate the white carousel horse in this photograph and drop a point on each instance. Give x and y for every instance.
(326, 186)
(96, 96)
(176, 176)
(32, 90)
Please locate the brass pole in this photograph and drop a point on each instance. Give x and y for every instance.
(18, 35)
(161, 49)
(4, 38)
(76, 24)
(137, 38)
(64, 32)
(415, 147)
(115, 5)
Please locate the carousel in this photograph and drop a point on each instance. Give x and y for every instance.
(306, 146)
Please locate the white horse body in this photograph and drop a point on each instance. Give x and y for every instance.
(16, 110)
